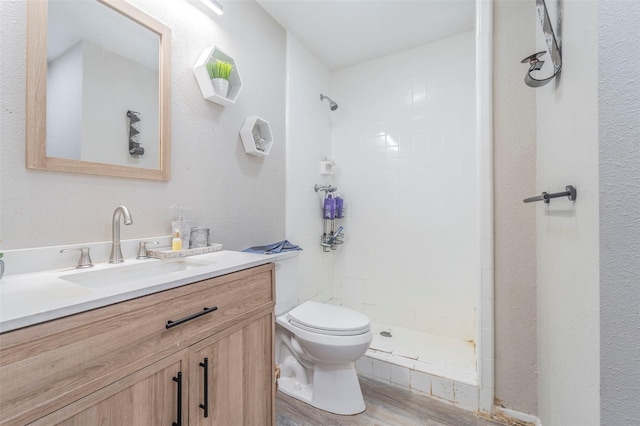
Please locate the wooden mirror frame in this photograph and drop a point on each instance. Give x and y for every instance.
(36, 103)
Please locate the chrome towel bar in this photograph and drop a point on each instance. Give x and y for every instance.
(570, 192)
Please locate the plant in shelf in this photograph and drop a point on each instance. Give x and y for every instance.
(219, 72)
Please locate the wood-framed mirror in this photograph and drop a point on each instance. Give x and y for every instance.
(92, 103)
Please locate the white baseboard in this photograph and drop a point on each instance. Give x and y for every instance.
(524, 417)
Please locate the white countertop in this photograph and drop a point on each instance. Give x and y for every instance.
(32, 298)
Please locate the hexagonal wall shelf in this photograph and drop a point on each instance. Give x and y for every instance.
(210, 54)
(256, 136)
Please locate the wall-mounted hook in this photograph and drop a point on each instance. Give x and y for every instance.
(535, 64)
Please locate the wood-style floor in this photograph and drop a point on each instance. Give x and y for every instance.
(386, 406)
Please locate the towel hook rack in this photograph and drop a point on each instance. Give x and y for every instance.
(535, 64)
(570, 192)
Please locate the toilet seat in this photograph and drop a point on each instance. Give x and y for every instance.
(328, 319)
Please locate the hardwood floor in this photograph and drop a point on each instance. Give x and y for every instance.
(386, 406)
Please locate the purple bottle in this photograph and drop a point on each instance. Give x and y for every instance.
(339, 207)
(329, 210)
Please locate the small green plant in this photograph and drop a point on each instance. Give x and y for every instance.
(219, 69)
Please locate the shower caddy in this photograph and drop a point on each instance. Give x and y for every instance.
(331, 237)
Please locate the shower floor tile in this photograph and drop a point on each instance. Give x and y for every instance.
(429, 353)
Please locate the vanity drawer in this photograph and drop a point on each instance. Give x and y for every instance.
(46, 366)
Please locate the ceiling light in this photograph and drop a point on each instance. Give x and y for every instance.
(214, 5)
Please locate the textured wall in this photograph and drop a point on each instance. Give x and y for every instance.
(567, 233)
(619, 133)
(240, 197)
(515, 222)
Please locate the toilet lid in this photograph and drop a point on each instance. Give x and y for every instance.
(323, 318)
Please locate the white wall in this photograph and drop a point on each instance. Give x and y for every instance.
(514, 139)
(64, 104)
(567, 233)
(240, 197)
(404, 138)
(89, 91)
(113, 85)
(619, 137)
(308, 141)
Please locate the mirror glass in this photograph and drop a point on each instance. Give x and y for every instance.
(105, 91)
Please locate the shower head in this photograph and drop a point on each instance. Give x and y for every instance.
(332, 105)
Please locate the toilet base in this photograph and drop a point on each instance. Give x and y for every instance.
(335, 389)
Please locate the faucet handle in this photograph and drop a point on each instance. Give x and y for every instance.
(85, 260)
(142, 249)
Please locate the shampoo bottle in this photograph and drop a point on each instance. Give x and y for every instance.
(329, 209)
(339, 206)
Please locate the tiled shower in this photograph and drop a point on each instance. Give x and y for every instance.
(405, 145)
(409, 163)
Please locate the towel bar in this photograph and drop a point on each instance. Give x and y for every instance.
(570, 192)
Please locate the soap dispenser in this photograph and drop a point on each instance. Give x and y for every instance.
(184, 226)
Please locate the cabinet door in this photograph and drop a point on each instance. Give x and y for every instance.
(239, 374)
(149, 397)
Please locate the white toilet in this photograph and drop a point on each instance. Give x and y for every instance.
(317, 345)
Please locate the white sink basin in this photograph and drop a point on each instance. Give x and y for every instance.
(118, 275)
(31, 298)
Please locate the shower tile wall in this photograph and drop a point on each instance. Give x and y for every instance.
(405, 145)
(308, 141)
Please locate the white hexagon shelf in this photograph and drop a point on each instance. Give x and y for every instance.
(256, 136)
(210, 54)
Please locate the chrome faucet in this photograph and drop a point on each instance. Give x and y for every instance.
(116, 252)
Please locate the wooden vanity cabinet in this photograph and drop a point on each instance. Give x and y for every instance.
(147, 398)
(120, 365)
(239, 377)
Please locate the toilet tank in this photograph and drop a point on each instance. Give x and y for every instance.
(287, 279)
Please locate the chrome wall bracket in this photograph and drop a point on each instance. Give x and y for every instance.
(326, 188)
